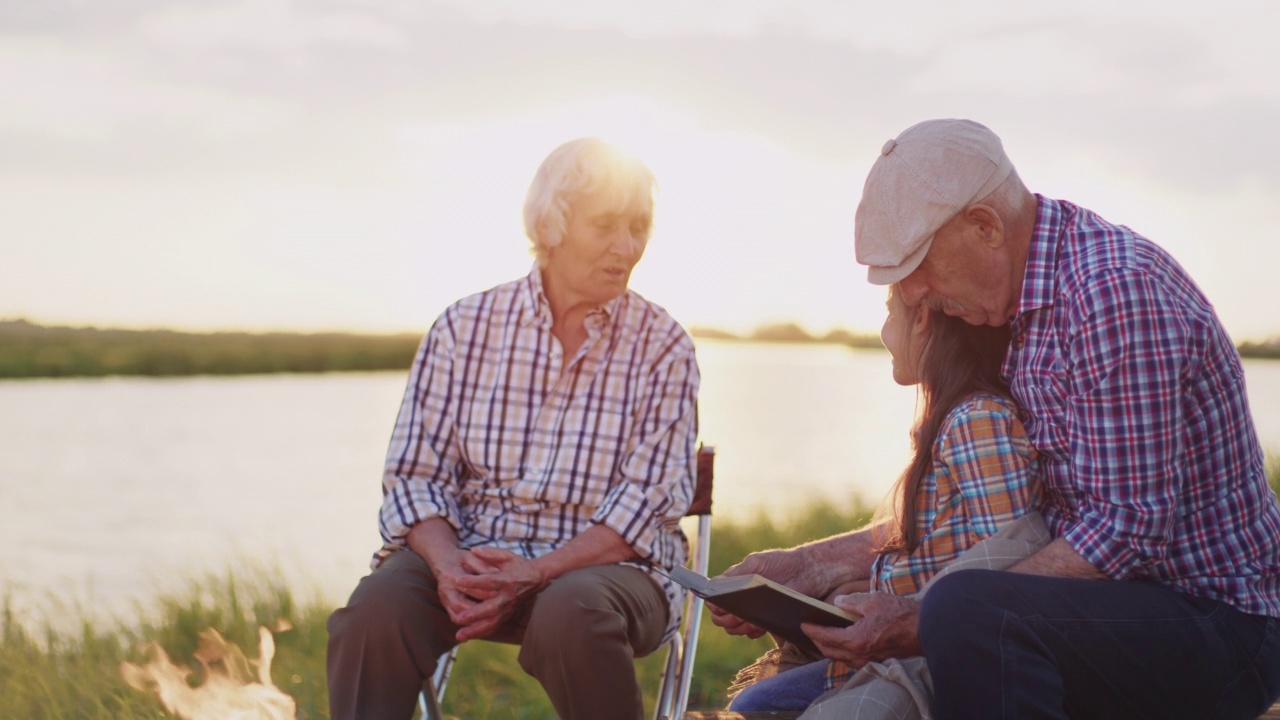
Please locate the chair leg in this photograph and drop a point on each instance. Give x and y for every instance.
(669, 687)
(688, 650)
(433, 687)
(429, 701)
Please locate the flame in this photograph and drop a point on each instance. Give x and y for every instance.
(231, 690)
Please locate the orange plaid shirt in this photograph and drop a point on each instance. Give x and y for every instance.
(982, 478)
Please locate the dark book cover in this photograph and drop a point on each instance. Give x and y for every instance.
(765, 603)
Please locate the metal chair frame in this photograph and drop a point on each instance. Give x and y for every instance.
(677, 674)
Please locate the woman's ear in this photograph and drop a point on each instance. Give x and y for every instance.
(920, 322)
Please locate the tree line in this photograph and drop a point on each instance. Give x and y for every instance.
(28, 350)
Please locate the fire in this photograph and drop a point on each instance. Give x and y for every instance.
(230, 690)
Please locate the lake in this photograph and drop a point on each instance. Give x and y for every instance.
(112, 489)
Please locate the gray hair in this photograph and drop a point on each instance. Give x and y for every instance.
(1010, 199)
(583, 165)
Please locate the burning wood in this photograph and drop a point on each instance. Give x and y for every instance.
(231, 689)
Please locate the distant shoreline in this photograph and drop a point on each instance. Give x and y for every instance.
(28, 350)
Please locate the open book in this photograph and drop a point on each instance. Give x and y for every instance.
(764, 603)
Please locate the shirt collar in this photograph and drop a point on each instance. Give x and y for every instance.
(535, 308)
(1038, 280)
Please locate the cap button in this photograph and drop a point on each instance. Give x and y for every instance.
(888, 147)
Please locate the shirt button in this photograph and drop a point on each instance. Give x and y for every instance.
(1019, 340)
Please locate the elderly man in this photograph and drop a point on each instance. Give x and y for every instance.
(1160, 593)
(543, 457)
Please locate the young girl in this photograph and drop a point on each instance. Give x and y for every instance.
(970, 474)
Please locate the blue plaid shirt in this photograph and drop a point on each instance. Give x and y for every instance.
(1134, 397)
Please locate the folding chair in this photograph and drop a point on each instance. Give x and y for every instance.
(677, 675)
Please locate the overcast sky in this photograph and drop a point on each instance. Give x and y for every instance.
(359, 164)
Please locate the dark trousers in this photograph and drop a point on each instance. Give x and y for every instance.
(578, 637)
(1010, 645)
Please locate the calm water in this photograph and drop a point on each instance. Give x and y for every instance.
(111, 489)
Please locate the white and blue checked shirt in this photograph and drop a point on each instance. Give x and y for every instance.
(522, 449)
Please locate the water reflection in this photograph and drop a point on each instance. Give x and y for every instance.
(111, 488)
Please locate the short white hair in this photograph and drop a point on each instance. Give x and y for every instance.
(582, 165)
(1010, 199)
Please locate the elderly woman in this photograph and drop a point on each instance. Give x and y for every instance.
(543, 456)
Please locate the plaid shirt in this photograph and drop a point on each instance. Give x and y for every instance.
(1135, 399)
(982, 478)
(521, 450)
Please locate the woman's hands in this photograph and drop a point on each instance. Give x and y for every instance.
(479, 588)
(483, 587)
(503, 581)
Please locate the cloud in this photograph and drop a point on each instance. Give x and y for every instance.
(828, 79)
(306, 120)
(279, 26)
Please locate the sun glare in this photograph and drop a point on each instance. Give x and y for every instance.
(729, 204)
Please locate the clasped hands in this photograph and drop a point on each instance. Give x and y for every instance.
(888, 626)
(482, 588)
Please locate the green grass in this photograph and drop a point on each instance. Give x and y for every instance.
(48, 673)
(487, 681)
(60, 673)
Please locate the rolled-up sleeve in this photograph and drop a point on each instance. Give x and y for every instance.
(659, 467)
(421, 473)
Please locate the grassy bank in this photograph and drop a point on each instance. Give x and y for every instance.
(46, 673)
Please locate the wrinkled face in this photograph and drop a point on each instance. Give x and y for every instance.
(903, 336)
(604, 238)
(962, 275)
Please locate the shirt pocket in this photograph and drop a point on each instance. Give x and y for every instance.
(1044, 413)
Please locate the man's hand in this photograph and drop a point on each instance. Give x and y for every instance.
(889, 628)
(733, 624)
(781, 566)
(503, 582)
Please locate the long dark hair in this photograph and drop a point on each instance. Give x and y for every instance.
(957, 361)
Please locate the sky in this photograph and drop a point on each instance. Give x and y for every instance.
(360, 164)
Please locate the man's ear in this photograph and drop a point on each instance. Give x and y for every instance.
(986, 222)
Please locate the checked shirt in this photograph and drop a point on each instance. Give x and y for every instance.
(522, 449)
(983, 477)
(1134, 397)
